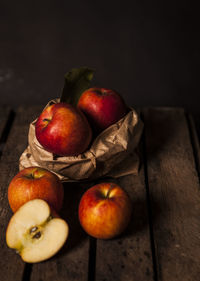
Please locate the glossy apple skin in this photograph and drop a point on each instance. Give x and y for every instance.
(102, 107)
(63, 130)
(35, 183)
(105, 210)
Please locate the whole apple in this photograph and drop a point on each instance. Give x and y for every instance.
(102, 107)
(63, 130)
(105, 210)
(35, 183)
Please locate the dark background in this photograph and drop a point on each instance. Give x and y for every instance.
(146, 50)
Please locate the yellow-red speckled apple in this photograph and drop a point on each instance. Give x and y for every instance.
(35, 182)
(105, 210)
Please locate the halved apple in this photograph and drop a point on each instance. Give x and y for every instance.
(34, 233)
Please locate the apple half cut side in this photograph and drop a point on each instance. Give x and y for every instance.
(34, 233)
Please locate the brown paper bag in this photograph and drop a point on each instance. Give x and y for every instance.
(112, 153)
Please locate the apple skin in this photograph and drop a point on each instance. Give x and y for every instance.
(105, 210)
(35, 183)
(63, 130)
(102, 107)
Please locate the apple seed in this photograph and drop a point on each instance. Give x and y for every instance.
(37, 235)
(33, 229)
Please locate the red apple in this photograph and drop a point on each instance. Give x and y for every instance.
(63, 130)
(32, 183)
(102, 107)
(105, 210)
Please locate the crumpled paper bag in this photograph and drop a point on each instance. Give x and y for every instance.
(113, 153)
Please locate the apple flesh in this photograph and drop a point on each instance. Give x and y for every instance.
(105, 210)
(63, 130)
(35, 182)
(102, 107)
(34, 233)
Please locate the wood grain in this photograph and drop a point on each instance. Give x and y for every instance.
(174, 193)
(128, 257)
(11, 265)
(172, 185)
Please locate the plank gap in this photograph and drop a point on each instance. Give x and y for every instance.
(194, 142)
(6, 130)
(92, 259)
(150, 218)
(27, 272)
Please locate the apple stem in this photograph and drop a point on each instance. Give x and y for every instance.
(46, 119)
(109, 190)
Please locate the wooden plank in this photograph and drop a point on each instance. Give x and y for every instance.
(128, 257)
(18, 138)
(72, 261)
(11, 266)
(174, 193)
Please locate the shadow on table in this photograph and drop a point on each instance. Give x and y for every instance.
(69, 212)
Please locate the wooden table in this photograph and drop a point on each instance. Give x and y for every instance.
(162, 241)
